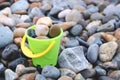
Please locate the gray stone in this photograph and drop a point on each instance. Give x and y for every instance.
(92, 53)
(36, 12)
(105, 78)
(106, 27)
(67, 72)
(10, 75)
(6, 36)
(18, 6)
(96, 16)
(10, 52)
(50, 72)
(2, 69)
(107, 51)
(40, 77)
(35, 0)
(76, 30)
(74, 15)
(79, 77)
(87, 73)
(115, 75)
(92, 30)
(72, 43)
(55, 10)
(73, 58)
(93, 9)
(100, 71)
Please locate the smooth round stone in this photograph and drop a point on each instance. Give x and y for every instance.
(117, 33)
(40, 77)
(100, 71)
(105, 78)
(73, 16)
(72, 43)
(51, 72)
(35, 4)
(86, 15)
(13, 64)
(44, 20)
(115, 75)
(92, 30)
(87, 73)
(19, 32)
(93, 24)
(96, 16)
(65, 78)
(67, 72)
(6, 36)
(19, 69)
(102, 6)
(6, 11)
(32, 33)
(108, 37)
(23, 25)
(76, 30)
(79, 77)
(36, 12)
(92, 53)
(17, 41)
(64, 13)
(11, 52)
(34, 0)
(55, 10)
(42, 37)
(2, 69)
(93, 9)
(111, 65)
(107, 51)
(49, 79)
(7, 21)
(18, 6)
(107, 18)
(10, 75)
(80, 8)
(110, 9)
(41, 30)
(46, 7)
(54, 31)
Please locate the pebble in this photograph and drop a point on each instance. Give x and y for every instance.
(34, 0)
(117, 33)
(41, 30)
(73, 58)
(23, 25)
(107, 51)
(40, 77)
(110, 65)
(92, 24)
(55, 10)
(67, 72)
(6, 36)
(76, 30)
(118, 42)
(79, 77)
(19, 69)
(73, 16)
(100, 71)
(65, 78)
(11, 52)
(19, 32)
(13, 64)
(93, 9)
(92, 53)
(87, 73)
(115, 75)
(96, 16)
(30, 76)
(105, 78)
(72, 43)
(92, 30)
(10, 75)
(50, 72)
(7, 21)
(54, 31)
(6, 11)
(80, 8)
(32, 33)
(18, 6)
(35, 4)
(44, 20)
(2, 69)
(64, 13)
(108, 37)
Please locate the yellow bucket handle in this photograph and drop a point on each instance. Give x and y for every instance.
(27, 52)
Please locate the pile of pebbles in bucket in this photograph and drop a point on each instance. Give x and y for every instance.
(90, 47)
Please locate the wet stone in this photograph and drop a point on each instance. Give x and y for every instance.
(13, 64)
(50, 72)
(100, 71)
(11, 52)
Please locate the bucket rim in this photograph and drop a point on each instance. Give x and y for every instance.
(33, 26)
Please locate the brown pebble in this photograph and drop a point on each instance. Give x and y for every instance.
(41, 37)
(20, 12)
(30, 76)
(19, 32)
(23, 25)
(117, 33)
(65, 78)
(18, 40)
(35, 4)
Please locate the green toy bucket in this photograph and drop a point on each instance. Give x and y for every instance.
(42, 51)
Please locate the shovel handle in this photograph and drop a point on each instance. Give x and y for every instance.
(27, 52)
